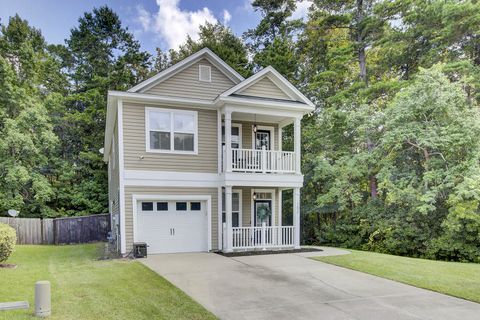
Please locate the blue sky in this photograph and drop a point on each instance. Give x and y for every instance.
(155, 23)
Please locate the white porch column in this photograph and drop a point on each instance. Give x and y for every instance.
(228, 141)
(297, 145)
(219, 141)
(296, 217)
(228, 216)
(280, 133)
(219, 218)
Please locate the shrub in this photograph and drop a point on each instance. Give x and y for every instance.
(8, 238)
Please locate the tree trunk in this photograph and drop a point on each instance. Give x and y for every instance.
(362, 63)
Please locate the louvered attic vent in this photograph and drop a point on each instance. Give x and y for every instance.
(204, 73)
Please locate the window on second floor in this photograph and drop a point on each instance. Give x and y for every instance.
(174, 131)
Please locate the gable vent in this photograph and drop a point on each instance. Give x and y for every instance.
(204, 73)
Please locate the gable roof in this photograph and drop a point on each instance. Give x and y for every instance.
(185, 63)
(282, 83)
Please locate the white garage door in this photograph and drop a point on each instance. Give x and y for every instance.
(172, 226)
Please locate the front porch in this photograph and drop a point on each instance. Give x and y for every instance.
(253, 219)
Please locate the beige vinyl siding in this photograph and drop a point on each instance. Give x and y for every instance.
(134, 143)
(264, 88)
(247, 132)
(131, 190)
(186, 84)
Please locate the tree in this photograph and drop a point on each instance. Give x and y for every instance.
(430, 149)
(28, 140)
(272, 41)
(218, 38)
(100, 55)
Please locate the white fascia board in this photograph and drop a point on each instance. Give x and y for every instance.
(185, 63)
(209, 180)
(263, 180)
(256, 106)
(277, 78)
(291, 87)
(145, 98)
(172, 179)
(109, 126)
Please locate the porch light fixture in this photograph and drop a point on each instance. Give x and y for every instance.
(254, 195)
(255, 124)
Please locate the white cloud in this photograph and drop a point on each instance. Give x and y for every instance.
(226, 17)
(302, 10)
(144, 17)
(172, 24)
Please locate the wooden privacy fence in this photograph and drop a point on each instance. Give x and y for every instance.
(60, 230)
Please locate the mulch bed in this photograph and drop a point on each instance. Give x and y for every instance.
(262, 252)
(7, 266)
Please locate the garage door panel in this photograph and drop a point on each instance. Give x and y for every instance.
(172, 230)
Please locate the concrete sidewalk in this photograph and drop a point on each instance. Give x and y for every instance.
(291, 286)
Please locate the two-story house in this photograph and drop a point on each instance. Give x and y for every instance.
(195, 159)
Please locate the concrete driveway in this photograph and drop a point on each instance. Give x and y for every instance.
(291, 286)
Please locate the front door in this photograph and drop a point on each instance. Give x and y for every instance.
(262, 139)
(263, 212)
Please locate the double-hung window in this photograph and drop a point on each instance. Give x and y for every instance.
(171, 130)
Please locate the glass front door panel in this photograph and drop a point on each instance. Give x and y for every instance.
(263, 212)
(262, 139)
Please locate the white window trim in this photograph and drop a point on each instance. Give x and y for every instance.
(240, 209)
(171, 197)
(200, 66)
(252, 204)
(172, 131)
(236, 125)
(272, 136)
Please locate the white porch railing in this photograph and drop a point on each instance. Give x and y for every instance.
(264, 237)
(264, 161)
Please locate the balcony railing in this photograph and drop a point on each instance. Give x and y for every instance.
(263, 161)
(264, 237)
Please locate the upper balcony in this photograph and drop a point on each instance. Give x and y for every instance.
(252, 145)
(261, 161)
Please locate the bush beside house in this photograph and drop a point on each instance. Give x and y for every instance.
(8, 238)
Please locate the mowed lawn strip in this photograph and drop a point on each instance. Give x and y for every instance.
(453, 278)
(85, 288)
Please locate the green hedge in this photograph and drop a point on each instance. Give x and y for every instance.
(8, 238)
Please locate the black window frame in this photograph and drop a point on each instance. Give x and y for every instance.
(195, 209)
(147, 202)
(162, 203)
(181, 202)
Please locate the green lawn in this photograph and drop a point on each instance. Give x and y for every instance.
(456, 279)
(85, 288)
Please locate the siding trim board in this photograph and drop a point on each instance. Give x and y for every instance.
(121, 170)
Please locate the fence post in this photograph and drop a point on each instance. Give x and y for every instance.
(264, 234)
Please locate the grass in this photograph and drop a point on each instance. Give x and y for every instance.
(86, 288)
(456, 279)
